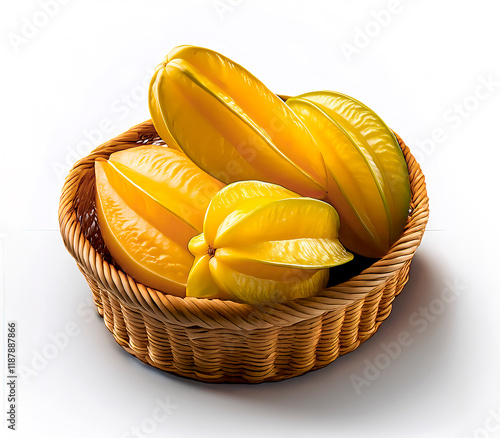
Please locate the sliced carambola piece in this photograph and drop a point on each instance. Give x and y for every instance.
(169, 178)
(142, 251)
(151, 201)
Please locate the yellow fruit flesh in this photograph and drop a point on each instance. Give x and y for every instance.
(198, 246)
(240, 199)
(266, 248)
(201, 283)
(146, 206)
(157, 117)
(251, 283)
(204, 145)
(379, 177)
(355, 182)
(357, 231)
(259, 105)
(300, 253)
(384, 145)
(243, 130)
(143, 251)
(282, 219)
(184, 190)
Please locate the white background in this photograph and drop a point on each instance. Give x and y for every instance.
(71, 80)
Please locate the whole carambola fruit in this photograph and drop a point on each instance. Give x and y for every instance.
(262, 242)
(151, 201)
(230, 124)
(368, 180)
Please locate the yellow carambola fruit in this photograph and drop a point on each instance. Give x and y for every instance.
(151, 201)
(230, 124)
(264, 243)
(368, 180)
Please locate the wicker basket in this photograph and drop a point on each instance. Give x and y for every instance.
(223, 341)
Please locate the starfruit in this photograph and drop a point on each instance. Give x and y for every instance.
(368, 180)
(230, 124)
(262, 242)
(151, 201)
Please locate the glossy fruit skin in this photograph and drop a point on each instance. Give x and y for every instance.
(368, 181)
(264, 243)
(151, 201)
(242, 131)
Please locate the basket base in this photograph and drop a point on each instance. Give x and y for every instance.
(174, 349)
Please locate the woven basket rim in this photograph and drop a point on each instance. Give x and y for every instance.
(214, 313)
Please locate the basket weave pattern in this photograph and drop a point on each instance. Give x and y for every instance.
(223, 341)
